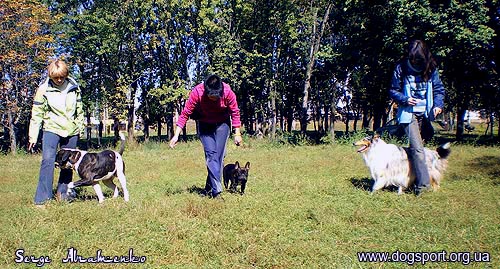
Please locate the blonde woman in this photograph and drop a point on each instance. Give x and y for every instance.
(57, 107)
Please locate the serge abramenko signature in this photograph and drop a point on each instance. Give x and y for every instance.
(72, 256)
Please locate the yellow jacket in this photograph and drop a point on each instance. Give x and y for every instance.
(60, 110)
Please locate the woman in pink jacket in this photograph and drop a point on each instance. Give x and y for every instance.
(214, 105)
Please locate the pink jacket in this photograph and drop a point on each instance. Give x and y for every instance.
(211, 111)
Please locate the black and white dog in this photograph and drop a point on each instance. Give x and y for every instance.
(95, 167)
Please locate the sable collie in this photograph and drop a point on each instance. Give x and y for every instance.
(389, 164)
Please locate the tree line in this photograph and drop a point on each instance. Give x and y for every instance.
(285, 59)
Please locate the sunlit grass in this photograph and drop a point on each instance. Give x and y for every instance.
(305, 207)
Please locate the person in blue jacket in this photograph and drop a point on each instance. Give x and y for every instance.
(419, 93)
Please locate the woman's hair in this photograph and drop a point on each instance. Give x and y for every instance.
(420, 56)
(213, 86)
(58, 68)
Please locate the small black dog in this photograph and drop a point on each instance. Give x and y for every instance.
(237, 176)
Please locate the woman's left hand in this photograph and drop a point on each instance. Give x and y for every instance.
(173, 141)
(437, 111)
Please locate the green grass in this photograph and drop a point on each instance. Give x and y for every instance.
(305, 207)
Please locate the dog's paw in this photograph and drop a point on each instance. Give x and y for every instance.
(71, 193)
(68, 196)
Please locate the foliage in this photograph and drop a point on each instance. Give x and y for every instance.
(26, 44)
(275, 55)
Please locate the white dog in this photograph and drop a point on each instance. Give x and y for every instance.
(389, 164)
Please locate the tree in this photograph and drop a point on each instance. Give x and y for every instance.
(26, 43)
(377, 33)
(315, 41)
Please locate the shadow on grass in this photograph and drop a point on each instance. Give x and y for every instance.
(489, 165)
(87, 195)
(197, 190)
(362, 183)
(174, 191)
(367, 183)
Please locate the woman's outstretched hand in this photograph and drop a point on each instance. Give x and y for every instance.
(173, 141)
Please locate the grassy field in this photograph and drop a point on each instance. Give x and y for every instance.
(305, 207)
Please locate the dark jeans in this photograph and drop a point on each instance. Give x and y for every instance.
(50, 141)
(214, 139)
(416, 152)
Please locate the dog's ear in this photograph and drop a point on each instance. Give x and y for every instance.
(74, 156)
(247, 166)
(237, 165)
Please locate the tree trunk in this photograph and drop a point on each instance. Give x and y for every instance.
(146, 129)
(315, 43)
(170, 126)
(377, 120)
(331, 126)
(492, 123)
(273, 110)
(88, 130)
(12, 133)
(460, 123)
(498, 126)
(366, 119)
(146, 119)
(158, 130)
(273, 117)
(326, 119)
(130, 112)
(378, 114)
(451, 121)
(289, 121)
(319, 117)
(272, 87)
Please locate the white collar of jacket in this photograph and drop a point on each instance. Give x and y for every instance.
(51, 88)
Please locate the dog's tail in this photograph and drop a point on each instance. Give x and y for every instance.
(444, 150)
(122, 146)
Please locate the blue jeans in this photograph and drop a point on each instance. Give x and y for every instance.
(50, 141)
(416, 153)
(214, 139)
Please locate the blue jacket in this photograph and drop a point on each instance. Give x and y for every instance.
(400, 92)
